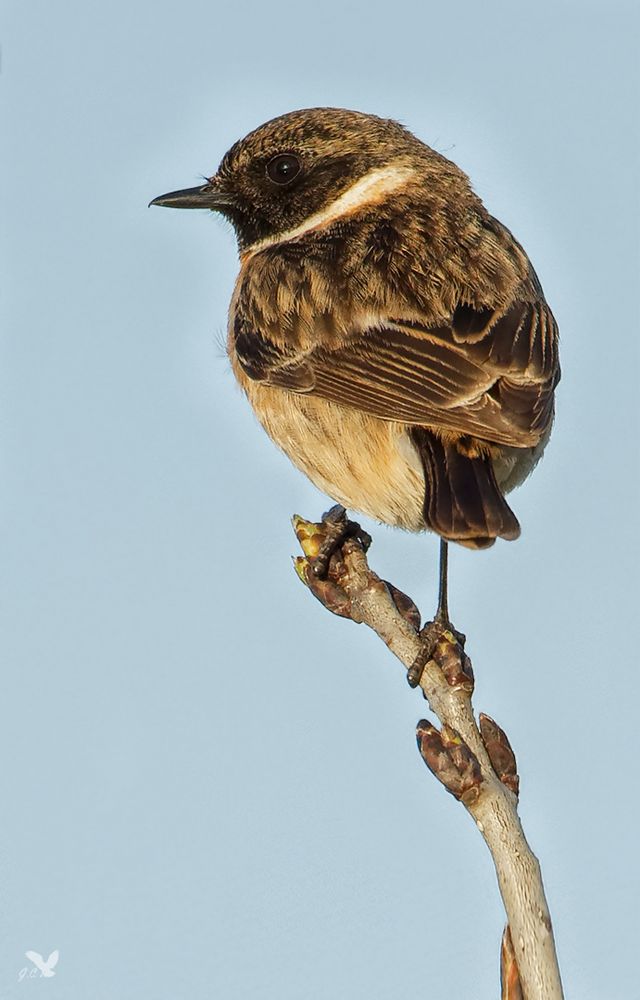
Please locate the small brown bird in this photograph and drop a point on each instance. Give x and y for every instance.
(391, 335)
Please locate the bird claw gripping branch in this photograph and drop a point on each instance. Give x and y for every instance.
(335, 529)
(445, 646)
(325, 545)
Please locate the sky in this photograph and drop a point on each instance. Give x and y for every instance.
(210, 786)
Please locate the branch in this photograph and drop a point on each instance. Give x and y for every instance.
(475, 763)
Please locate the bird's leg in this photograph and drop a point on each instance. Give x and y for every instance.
(442, 620)
(433, 631)
(442, 613)
(336, 529)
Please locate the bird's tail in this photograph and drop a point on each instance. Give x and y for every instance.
(462, 502)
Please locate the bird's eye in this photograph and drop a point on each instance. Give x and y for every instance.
(283, 168)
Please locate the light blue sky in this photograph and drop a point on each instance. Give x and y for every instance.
(210, 787)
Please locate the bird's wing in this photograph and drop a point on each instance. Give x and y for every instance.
(483, 374)
(52, 960)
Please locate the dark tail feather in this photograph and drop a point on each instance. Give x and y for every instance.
(463, 502)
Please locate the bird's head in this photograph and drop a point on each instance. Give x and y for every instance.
(300, 168)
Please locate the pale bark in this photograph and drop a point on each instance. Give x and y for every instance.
(354, 591)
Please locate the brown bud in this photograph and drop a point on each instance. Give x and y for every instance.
(502, 757)
(405, 606)
(326, 591)
(511, 988)
(308, 534)
(450, 656)
(451, 760)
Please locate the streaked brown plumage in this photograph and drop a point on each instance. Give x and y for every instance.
(391, 336)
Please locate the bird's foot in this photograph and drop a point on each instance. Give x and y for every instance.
(432, 635)
(328, 546)
(336, 528)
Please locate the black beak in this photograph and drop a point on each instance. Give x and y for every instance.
(209, 196)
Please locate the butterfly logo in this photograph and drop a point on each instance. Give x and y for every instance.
(46, 968)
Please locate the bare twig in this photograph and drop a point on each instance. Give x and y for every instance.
(475, 763)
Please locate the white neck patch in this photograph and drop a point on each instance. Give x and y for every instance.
(371, 189)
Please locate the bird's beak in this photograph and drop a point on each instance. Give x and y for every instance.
(208, 196)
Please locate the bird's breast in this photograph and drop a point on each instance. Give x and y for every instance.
(368, 465)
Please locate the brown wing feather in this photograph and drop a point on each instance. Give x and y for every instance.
(490, 378)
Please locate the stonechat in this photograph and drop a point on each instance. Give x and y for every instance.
(391, 335)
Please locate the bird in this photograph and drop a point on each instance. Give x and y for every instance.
(390, 334)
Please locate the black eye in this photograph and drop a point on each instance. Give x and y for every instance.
(283, 168)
